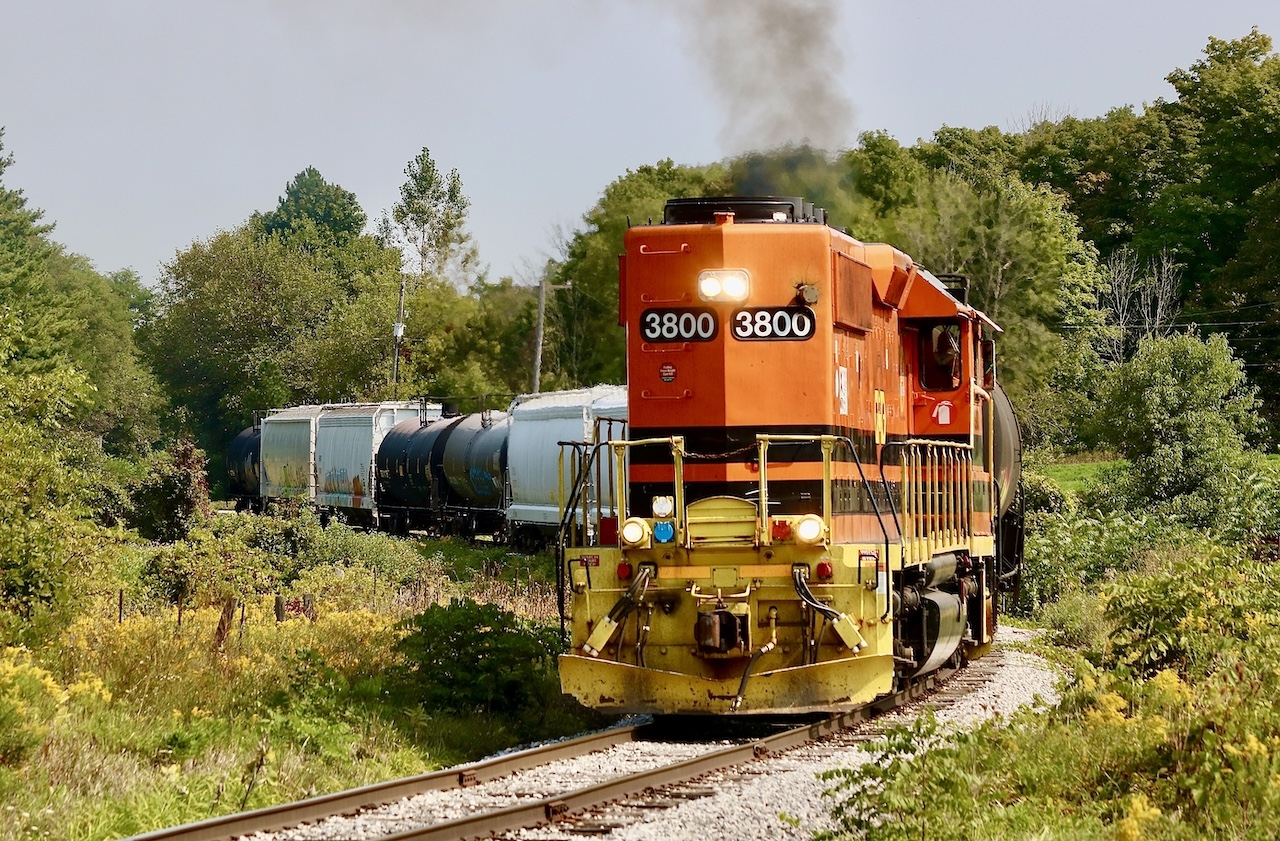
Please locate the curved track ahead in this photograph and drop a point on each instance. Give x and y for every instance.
(559, 804)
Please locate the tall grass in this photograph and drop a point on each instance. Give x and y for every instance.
(115, 727)
(143, 723)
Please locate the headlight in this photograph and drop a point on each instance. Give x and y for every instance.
(810, 529)
(635, 534)
(735, 287)
(663, 506)
(724, 285)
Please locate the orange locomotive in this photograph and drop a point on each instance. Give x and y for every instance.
(815, 502)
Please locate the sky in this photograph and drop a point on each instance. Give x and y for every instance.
(142, 126)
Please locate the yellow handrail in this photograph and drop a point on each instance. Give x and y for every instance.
(676, 442)
(937, 498)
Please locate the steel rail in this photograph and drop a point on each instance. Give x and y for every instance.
(559, 806)
(285, 815)
(537, 812)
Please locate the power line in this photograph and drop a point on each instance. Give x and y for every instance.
(1233, 309)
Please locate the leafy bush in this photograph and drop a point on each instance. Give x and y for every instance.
(391, 559)
(49, 550)
(1043, 495)
(288, 530)
(206, 569)
(467, 657)
(1079, 549)
(1192, 610)
(1167, 730)
(1238, 500)
(1075, 619)
(171, 497)
(1180, 411)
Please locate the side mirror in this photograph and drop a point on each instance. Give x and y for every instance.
(988, 364)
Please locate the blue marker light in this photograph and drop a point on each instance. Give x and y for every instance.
(664, 531)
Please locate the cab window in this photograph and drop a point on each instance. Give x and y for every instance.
(940, 358)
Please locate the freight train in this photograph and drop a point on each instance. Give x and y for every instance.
(818, 498)
(418, 465)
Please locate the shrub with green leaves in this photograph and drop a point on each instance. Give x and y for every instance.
(467, 657)
(1042, 494)
(1195, 609)
(205, 569)
(172, 495)
(1076, 549)
(1074, 619)
(1168, 728)
(1181, 412)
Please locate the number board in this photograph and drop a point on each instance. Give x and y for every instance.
(695, 324)
(765, 324)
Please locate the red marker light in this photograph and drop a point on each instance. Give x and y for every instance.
(624, 571)
(825, 570)
(781, 529)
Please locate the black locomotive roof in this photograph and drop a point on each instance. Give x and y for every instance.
(703, 210)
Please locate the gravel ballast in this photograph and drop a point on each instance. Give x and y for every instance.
(746, 803)
(749, 802)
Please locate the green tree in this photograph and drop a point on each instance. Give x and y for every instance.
(313, 209)
(249, 321)
(73, 315)
(435, 324)
(1248, 296)
(887, 175)
(971, 153)
(1181, 412)
(1107, 167)
(138, 298)
(1222, 151)
(432, 215)
(48, 548)
(499, 334)
(124, 407)
(24, 250)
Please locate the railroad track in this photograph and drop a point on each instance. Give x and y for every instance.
(381, 810)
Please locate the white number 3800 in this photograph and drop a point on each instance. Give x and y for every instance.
(773, 323)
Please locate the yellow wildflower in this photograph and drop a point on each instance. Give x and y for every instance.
(1141, 812)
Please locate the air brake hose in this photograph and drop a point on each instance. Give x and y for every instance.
(621, 609)
(843, 624)
(756, 655)
(806, 596)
